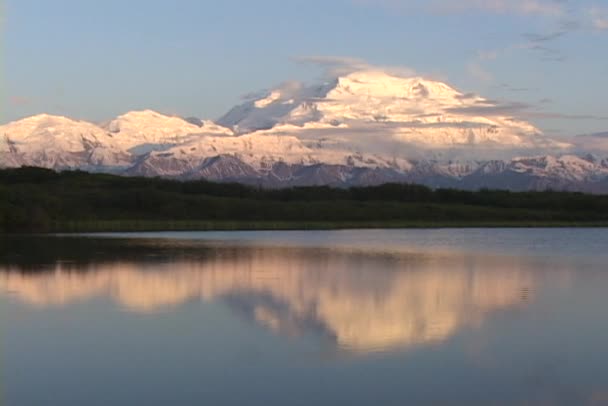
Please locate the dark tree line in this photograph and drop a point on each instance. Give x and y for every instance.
(35, 199)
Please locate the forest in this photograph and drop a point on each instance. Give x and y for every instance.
(43, 200)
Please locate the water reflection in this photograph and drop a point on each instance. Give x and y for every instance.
(363, 302)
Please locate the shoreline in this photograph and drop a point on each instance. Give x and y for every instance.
(202, 225)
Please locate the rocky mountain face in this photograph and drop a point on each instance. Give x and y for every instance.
(568, 172)
(363, 128)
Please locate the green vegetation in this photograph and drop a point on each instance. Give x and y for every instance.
(41, 200)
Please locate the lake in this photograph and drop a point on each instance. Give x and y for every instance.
(357, 317)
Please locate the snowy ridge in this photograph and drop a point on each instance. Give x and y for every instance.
(140, 129)
(367, 127)
(58, 142)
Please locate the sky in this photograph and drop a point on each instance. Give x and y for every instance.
(546, 60)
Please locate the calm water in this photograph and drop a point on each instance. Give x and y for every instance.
(400, 317)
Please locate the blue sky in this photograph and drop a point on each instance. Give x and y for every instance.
(93, 59)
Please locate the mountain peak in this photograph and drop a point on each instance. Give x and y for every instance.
(47, 127)
(143, 114)
(385, 111)
(145, 127)
(145, 130)
(44, 120)
(378, 83)
(57, 142)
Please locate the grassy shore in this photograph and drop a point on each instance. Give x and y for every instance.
(180, 225)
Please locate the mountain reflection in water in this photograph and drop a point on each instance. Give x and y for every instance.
(362, 301)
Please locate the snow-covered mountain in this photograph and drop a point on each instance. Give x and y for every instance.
(366, 127)
(371, 108)
(142, 131)
(59, 142)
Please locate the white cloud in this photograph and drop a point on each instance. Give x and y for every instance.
(334, 64)
(475, 68)
(477, 71)
(524, 7)
(523, 111)
(599, 18)
(550, 8)
(487, 55)
(341, 65)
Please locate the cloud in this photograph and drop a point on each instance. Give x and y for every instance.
(562, 116)
(564, 26)
(547, 54)
(487, 55)
(467, 96)
(342, 65)
(517, 109)
(568, 15)
(532, 37)
(544, 50)
(570, 25)
(547, 8)
(509, 88)
(559, 58)
(603, 134)
(477, 71)
(599, 18)
(476, 106)
(492, 108)
(475, 67)
(596, 142)
(335, 65)
(521, 7)
(537, 42)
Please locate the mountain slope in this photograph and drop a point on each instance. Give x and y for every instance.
(58, 142)
(370, 109)
(144, 131)
(363, 128)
